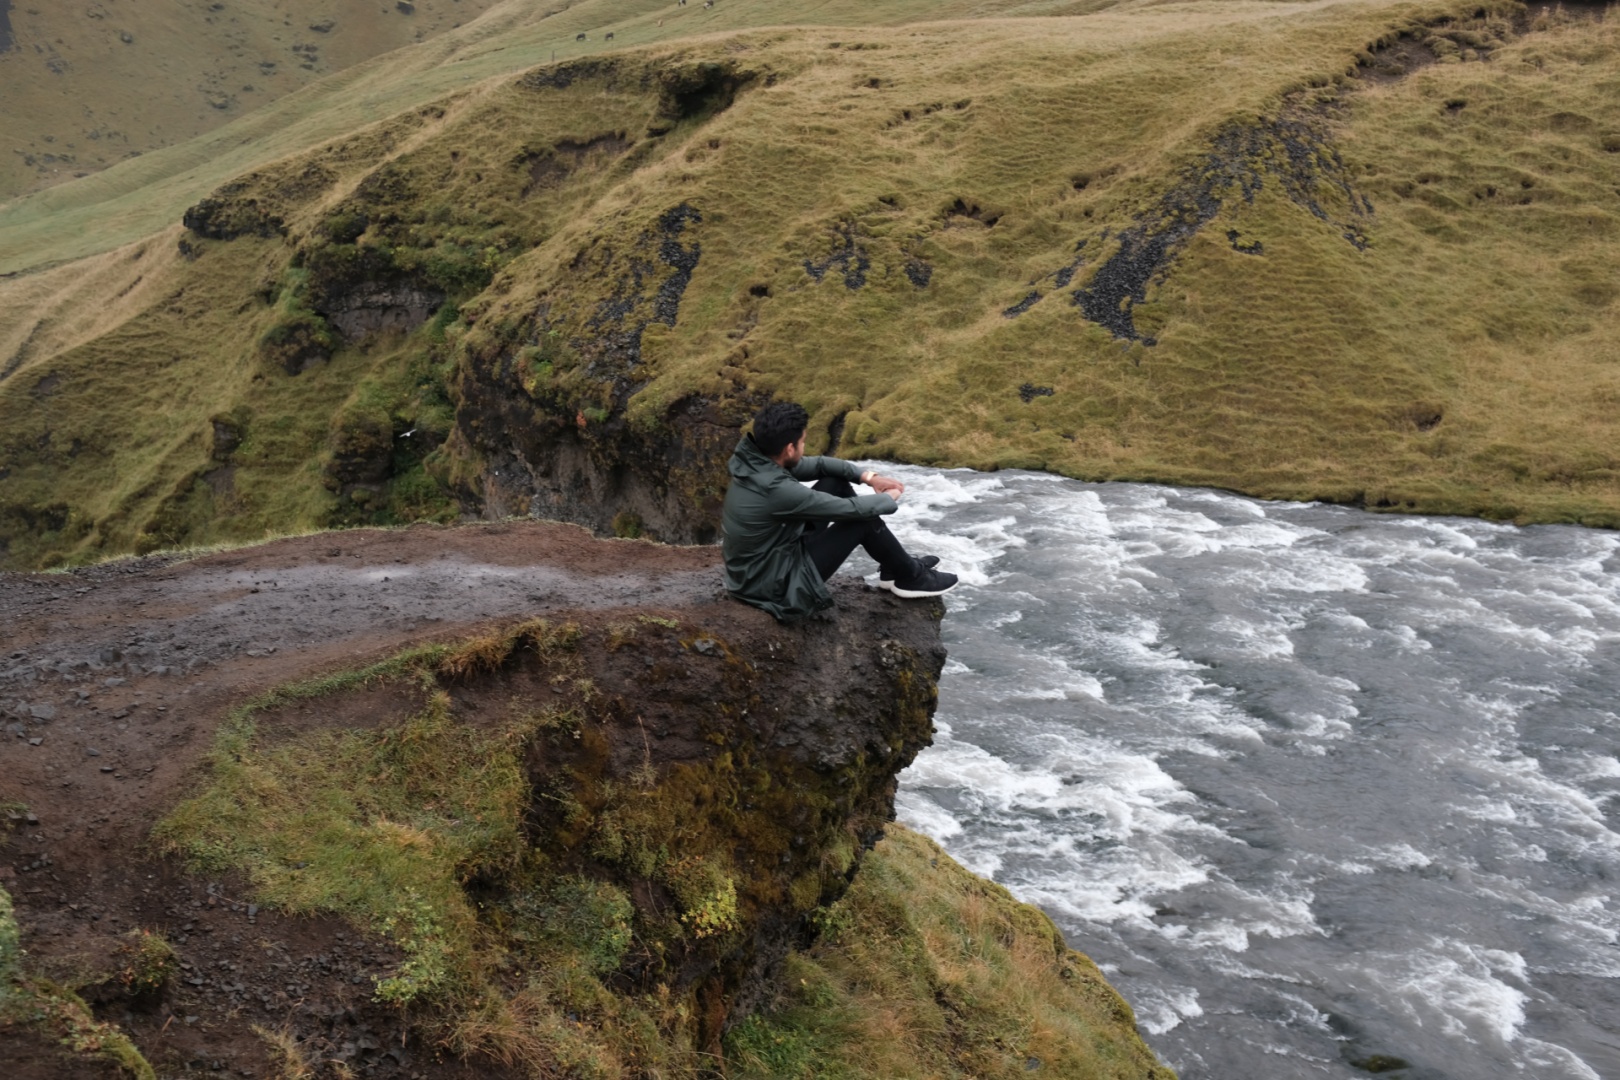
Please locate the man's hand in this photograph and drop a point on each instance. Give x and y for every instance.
(887, 486)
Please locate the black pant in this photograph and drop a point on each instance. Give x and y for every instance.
(829, 543)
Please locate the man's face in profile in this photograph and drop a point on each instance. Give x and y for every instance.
(793, 454)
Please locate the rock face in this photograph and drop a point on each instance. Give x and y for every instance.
(383, 309)
(776, 750)
(550, 421)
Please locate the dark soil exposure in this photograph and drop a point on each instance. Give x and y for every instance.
(962, 209)
(835, 433)
(1246, 247)
(550, 167)
(850, 258)
(1022, 306)
(701, 90)
(1029, 392)
(114, 678)
(1396, 61)
(5, 26)
(1291, 150)
(919, 273)
(620, 319)
(1060, 279)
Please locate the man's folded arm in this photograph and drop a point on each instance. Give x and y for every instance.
(822, 468)
(807, 504)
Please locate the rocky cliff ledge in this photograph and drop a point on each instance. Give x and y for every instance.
(495, 801)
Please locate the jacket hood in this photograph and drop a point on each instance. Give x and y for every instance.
(748, 461)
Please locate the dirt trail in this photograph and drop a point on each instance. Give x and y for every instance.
(113, 678)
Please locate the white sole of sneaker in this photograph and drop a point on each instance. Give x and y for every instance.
(919, 594)
(888, 583)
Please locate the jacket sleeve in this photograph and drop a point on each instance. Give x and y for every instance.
(795, 502)
(820, 468)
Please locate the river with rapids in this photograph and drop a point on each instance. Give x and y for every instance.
(1322, 791)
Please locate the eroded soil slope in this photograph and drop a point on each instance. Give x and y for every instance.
(112, 682)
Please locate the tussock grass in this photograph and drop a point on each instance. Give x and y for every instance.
(925, 970)
(31, 1001)
(287, 1055)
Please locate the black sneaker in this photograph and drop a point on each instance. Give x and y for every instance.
(923, 583)
(924, 562)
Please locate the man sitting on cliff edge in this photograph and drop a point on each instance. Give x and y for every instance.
(784, 540)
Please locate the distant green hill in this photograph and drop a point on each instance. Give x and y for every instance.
(86, 85)
(1361, 251)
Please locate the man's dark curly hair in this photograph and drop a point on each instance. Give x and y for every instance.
(779, 425)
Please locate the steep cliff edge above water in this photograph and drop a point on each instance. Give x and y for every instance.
(501, 800)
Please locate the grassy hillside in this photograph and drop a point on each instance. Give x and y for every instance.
(1362, 251)
(84, 86)
(137, 197)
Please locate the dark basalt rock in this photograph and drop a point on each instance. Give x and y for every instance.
(850, 258)
(1022, 306)
(221, 217)
(227, 434)
(374, 308)
(776, 747)
(298, 344)
(563, 447)
(1291, 151)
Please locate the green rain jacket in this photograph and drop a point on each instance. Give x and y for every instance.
(765, 513)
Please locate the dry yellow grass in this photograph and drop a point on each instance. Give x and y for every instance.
(89, 85)
(927, 971)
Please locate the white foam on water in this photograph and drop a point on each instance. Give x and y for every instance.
(1600, 767)
(1483, 808)
(1552, 1060)
(1559, 805)
(1108, 800)
(1458, 985)
(1231, 504)
(1220, 934)
(1269, 640)
(916, 810)
(1317, 726)
(1400, 857)
(1302, 1011)
(1439, 533)
(1159, 1011)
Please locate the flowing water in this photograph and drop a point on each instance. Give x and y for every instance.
(1312, 785)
